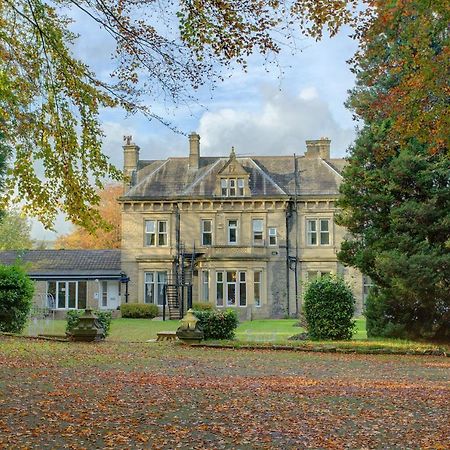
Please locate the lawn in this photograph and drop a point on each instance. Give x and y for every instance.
(165, 396)
(140, 330)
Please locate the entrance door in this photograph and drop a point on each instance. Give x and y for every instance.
(109, 298)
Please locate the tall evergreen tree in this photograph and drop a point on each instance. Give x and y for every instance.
(396, 191)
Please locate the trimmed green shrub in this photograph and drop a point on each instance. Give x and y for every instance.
(328, 307)
(218, 324)
(139, 310)
(16, 297)
(73, 318)
(202, 306)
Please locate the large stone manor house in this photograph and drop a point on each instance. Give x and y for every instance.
(238, 232)
(244, 232)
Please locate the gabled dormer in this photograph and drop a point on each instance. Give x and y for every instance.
(232, 180)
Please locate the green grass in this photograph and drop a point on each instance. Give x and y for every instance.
(259, 332)
(138, 330)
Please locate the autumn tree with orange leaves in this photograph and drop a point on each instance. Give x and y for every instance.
(109, 210)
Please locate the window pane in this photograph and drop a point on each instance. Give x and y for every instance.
(231, 294)
(324, 225)
(223, 183)
(207, 239)
(324, 238)
(51, 294)
(231, 277)
(272, 236)
(311, 225)
(162, 226)
(61, 294)
(104, 294)
(207, 225)
(205, 285)
(149, 226)
(257, 288)
(149, 277)
(232, 231)
(82, 294)
(242, 289)
(72, 294)
(241, 182)
(161, 282)
(219, 289)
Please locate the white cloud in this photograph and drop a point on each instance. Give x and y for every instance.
(280, 126)
(308, 93)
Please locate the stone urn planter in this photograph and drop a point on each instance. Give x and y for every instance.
(189, 332)
(88, 329)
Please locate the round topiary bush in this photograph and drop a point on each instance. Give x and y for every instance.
(16, 296)
(328, 307)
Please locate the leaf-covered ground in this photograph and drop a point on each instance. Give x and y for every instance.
(112, 395)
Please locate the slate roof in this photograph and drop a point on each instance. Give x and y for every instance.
(268, 176)
(82, 263)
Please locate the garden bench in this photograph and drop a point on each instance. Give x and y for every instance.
(166, 336)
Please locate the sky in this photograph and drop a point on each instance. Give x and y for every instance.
(257, 112)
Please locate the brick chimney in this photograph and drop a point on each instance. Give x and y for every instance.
(130, 160)
(318, 148)
(194, 150)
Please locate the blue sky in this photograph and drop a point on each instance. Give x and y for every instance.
(257, 112)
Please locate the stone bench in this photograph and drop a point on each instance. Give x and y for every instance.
(166, 336)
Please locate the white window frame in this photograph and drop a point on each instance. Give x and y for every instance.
(224, 187)
(311, 234)
(203, 232)
(220, 285)
(232, 187)
(156, 286)
(318, 232)
(157, 233)
(258, 232)
(205, 285)
(272, 235)
(150, 236)
(66, 293)
(324, 232)
(226, 287)
(257, 286)
(236, 228)
(240, 187)
(104, 294)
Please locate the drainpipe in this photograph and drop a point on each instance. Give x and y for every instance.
(288, 215)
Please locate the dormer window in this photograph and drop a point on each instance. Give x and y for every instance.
(233, 179)
(232, 187)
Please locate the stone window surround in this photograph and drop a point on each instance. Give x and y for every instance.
(318, 231)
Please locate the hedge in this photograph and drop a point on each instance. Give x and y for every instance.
(218, 324)
(328, 308)
(139, 310)
(16, 297)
